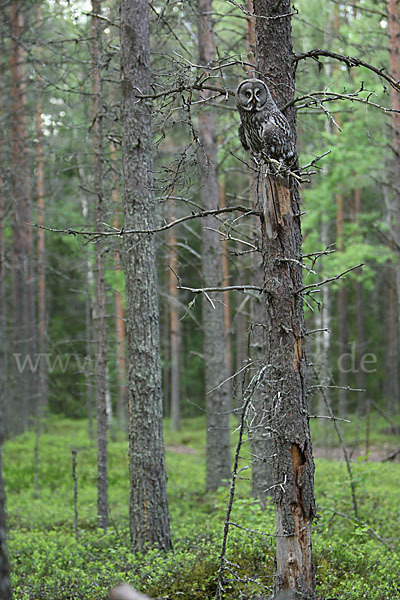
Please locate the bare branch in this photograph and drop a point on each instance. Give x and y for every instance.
(119, 232)
(350, 61)
(329, 279)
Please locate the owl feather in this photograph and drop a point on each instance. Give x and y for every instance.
(264, 130)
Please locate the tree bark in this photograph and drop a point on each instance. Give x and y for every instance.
(5, 589)
(100, 304)
(361, 341)
(260, 436)
(218, 460)
(392, 7)
(226, 297)
(174, 329)
(22, 276)
(4, 395)
(149, 515)
(285, 329)
(41, 247)
(342, 316)
(119, 310)
(391, 381)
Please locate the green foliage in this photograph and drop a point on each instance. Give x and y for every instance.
(49, 564)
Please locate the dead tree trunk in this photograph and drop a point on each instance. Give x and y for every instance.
(149, 515)
(217, 401)
(285, 329)
(100, 303)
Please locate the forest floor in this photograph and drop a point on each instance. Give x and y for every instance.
(356, 557)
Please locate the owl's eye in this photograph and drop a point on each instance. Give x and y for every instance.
(248, 93)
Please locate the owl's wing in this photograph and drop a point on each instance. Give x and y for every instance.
(242, 138)
(281, 122)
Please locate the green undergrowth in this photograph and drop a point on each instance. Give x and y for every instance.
(355, 558)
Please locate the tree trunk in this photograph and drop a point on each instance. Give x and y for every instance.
(100, 304)
(5, 589)
(41, 248)
(285, 329)
(394, 60)
(149, 515)
(174, 329)
(227, 299)
(119, 312)
(23, 400)
(218, 460)
(260, 437)
(361, 342)
(391, 381)
(3, 299)
(342, 316)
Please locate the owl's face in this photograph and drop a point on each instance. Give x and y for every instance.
(251, 95)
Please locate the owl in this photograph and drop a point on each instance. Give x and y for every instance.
(264, 130)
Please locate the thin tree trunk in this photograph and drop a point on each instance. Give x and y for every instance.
(226, 297)
(361, 342)
(218, 460)
(149, 515)
(41, 248)
(322, 337)
(119, 315)
(391, 381)
(22, 401)
(100, 305)
(342, 316)
(260, 437)
(166, 353)
(121, 359)
(175, 329)
(285, 329)
(5, 589)
(392, 7)
(3, 302)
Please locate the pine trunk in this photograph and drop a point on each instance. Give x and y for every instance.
(41, 247)
(23, 397)
(100, 303)
(392, 7)
(342, 317)
(217, 401)
(286, 394)
(174, 329)
(5, 589)
(149, 515)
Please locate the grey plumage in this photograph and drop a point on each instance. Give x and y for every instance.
(264, 130)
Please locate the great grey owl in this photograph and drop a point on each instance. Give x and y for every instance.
(264, 130)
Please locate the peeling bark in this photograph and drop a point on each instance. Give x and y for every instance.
(285, 380)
